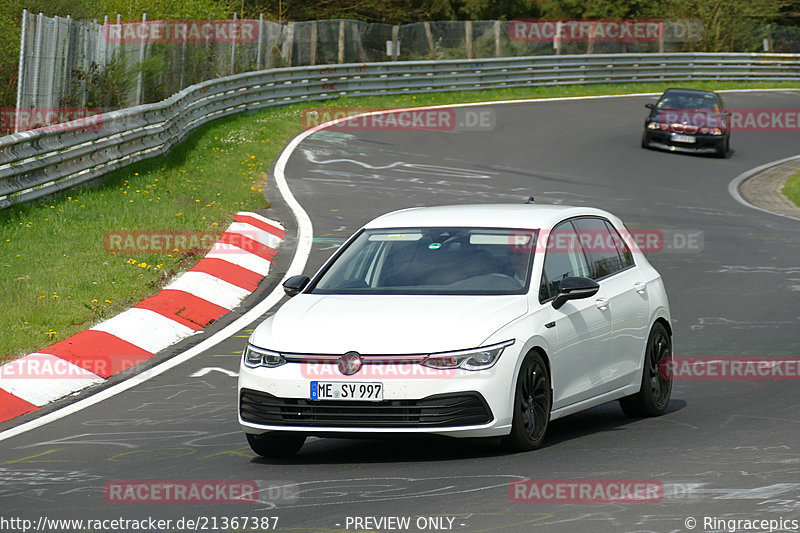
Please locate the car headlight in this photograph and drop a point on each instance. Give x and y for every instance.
(715, 131)
(255, 357)
(474, 359)
(653, 126)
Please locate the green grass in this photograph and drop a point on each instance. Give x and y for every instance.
(57, 279)
(792, 189)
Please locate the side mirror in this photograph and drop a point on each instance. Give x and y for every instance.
(575, 289)
(649, 106)
(295, 284)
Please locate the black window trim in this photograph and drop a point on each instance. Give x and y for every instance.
(585, 257)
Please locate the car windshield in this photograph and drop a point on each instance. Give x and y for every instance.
(432, 261)
(688, 100)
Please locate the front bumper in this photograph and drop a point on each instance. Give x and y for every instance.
(415, 400)
(702, 144)
(437, 411)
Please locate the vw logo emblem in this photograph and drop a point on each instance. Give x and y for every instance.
(349, 363)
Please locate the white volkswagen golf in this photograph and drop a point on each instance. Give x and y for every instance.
(467, 321)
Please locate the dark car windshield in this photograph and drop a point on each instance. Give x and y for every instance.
(688, 100)
(432, 261)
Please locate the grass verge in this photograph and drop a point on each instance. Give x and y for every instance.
(56, 276)
(792, 189)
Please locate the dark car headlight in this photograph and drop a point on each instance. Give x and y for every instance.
(254, 357)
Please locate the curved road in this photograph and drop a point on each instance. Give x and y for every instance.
(725, 449)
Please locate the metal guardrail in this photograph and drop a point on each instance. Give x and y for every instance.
(38, 163)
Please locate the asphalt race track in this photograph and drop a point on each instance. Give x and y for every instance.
(725, 449)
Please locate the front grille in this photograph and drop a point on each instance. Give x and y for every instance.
(438, 411)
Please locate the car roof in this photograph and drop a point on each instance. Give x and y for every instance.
(528, 216)
(691, 91)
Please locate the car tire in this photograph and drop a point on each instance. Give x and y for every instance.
(645, 140)
(654, 394)
(722, 149)
(276, 443)
(532, 403)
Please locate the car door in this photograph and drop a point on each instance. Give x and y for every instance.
(580, 355)
(624, 292)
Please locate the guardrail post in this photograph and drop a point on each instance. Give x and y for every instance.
(37, 59)
(205, 57)
(362, 54)
(288, 43)
(21, 69)
(497, 38)
(140, 76)
(183, 58)
(768, 39)
(395, 42)
(101, 38)
(429, 36)
(313, 42)
(65, 57)
(233, 45)
(557, 38)
(260, 40)
(468, 38)
(341, 41)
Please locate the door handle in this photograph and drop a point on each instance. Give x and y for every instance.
(640, 287)
(601, 303)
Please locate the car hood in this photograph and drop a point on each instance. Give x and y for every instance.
(386, 324)
(694, 117)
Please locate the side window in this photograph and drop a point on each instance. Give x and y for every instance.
(622, 247)
(564, 258)
(600, 246)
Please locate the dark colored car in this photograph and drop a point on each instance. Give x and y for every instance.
(688, 120)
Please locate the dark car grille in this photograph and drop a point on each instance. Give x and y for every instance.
(439, 411)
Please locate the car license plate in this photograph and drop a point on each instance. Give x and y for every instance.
(677, 137)
(342, 390)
